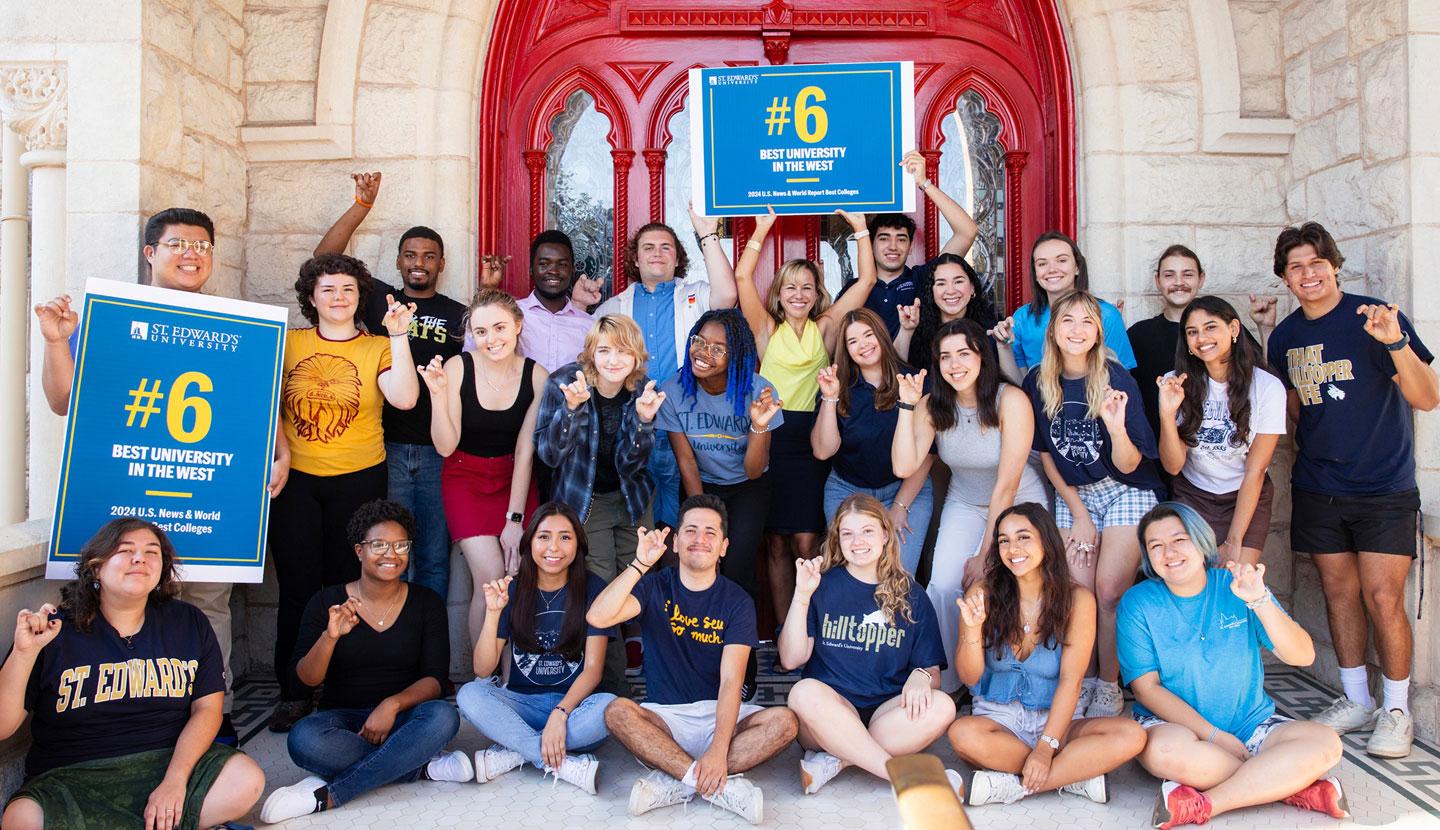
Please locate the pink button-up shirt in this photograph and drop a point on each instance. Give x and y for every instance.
(553, 339)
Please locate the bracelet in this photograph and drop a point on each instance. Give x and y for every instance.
(973, 642)
(401, 334)
(714, 236)
(908, 407)
(366, 205)
(636, 567)
(924, 184)
(752, 245)
(1398, 344)
(759, 431)
(830, 400)
(926, 672)
(1213, 732)
(1259, 602)
(562, 710)
(902, 505)
(860, 234)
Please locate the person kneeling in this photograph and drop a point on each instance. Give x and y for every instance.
(549, 713)
(1190, 639)
(698, 629)
(1026, 635)
(381, 647)
(126, 684)
(867, 636)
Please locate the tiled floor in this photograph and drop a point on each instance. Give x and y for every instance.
(1401, 794)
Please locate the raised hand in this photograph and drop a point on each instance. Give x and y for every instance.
(764, 222)
(57, 320)
(35, 630)
(433, 373)
(829, 381)
(398, 316)
(855, 220)
(367, 187)
(807, 576)
(586, 291)
(1004, 331)
(1262, 310)
(497, 594)
(909, 315)
(1382, 322)
(702, 224)
(1112, 409)
(492, 270)
(576, 392)
(914, 164)
(972, 609)
(1247, 581)
(763, 410)
(1172, 393)
(648, 403)
(343, 618)
(650, 545)
(911, 387)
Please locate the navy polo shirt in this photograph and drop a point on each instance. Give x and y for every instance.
(866, 434)
(886, 297)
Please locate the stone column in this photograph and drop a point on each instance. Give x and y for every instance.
(33, 101)
(14, 309)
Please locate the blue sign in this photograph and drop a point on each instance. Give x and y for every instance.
(172, 419)
(802, 139)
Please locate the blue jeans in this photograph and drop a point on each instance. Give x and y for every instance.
(666, 472)
(515, 721)
(328, 743)
(415, 482)
(837, 489)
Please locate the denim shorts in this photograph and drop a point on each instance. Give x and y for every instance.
(1027, 724)
(1252, 743)
(1109, 503)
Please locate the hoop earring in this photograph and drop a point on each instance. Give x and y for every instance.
(95, 584)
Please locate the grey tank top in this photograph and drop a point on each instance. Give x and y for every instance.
(972, 452)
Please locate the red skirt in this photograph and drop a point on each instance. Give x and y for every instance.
(476, 493)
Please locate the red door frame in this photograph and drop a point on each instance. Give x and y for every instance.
(624, 54)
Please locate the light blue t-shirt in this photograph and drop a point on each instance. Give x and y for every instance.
(655, 314)
(716, 434)
(1029, 345)
(1206, 649)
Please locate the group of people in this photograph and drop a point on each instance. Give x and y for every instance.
(658, 476)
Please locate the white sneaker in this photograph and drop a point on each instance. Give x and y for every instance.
(293, 801)
(816, 770)
(654, 790)
(450, 766)
(494, 761)
(1095, 789)
(742, 798)
(1087, 690)
(578, 770)
(957, 783)
(1345, 715)
(1107, 701)
(1394, 731)
(990, 787)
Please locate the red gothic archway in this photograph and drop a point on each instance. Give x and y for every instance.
(631, 57)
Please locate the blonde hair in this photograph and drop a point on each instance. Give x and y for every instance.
(623, 334)
(790, 272)
(892, 593)
(1097, 371)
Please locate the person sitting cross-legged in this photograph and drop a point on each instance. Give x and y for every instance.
(698, 629)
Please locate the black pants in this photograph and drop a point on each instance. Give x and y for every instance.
(310, 551)
(747, 505)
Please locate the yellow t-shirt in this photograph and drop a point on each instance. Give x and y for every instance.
(331, 401)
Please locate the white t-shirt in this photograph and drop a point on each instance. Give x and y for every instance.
(1213, 464)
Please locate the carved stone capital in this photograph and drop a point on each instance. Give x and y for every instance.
(33, 101)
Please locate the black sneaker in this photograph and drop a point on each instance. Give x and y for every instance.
(227, 736)
(288, 712)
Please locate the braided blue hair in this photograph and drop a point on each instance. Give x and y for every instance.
(744, 358)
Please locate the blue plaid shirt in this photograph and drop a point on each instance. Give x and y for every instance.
(568, 441)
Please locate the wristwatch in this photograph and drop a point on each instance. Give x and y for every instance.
(1399, 344)
(516, 517)
(1054, 744)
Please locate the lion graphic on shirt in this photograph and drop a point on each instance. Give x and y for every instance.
(322, 394)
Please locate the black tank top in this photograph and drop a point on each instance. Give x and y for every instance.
(486, 432)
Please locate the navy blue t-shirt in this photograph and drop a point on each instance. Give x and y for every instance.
(857, 653)
(98, 696)
(886, 297)
(1355, 435)
(685, 633)
(865, 437)
(1080, 445)
(548, 671)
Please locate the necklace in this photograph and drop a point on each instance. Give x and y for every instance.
(485, 376)
(550, 600)
(1029, 627)
(381, 622)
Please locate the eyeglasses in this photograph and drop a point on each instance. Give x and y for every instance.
(378, 547)
(700, 344)
(202, 247)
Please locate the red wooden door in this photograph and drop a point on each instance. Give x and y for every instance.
(582, 101)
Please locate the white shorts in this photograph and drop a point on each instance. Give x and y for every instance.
(692, 725)
(1027, 724)
(1252, 743)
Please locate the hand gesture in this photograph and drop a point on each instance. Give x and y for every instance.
(166, 805)
(911, 387)
(807, 576)
(577, 392)
(915, 694)
(1382, 322)
(367, 187)
(909, 315)
(1247, 581)
(433, 373)
(648, 403)
(1084, 538)
(398, 316)
(497, 594)
(764, 222)
(382, 719)
(855, 220)
(57, 321)
(1112, 409)
(552, 740)
(586, 291)
(34, 629)
(1172, 394)
(914, 164)
(510, 546)
(1262, 310)
(972, 610)
(764, 409)
(650, 546)
(1036, 772)
(1004, 331)
(702, 224)
(829, 381)
(492, 270)
(343, 618)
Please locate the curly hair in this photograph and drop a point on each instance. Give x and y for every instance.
(741, 353)
(80, 597)
(979, 309)
(319, 266)
(892, 592)
(1310, 233)
(1003, 626)
(632, 252)
(571, 642)
(375, 512)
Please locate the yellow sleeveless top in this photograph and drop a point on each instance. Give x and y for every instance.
(791, 363)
